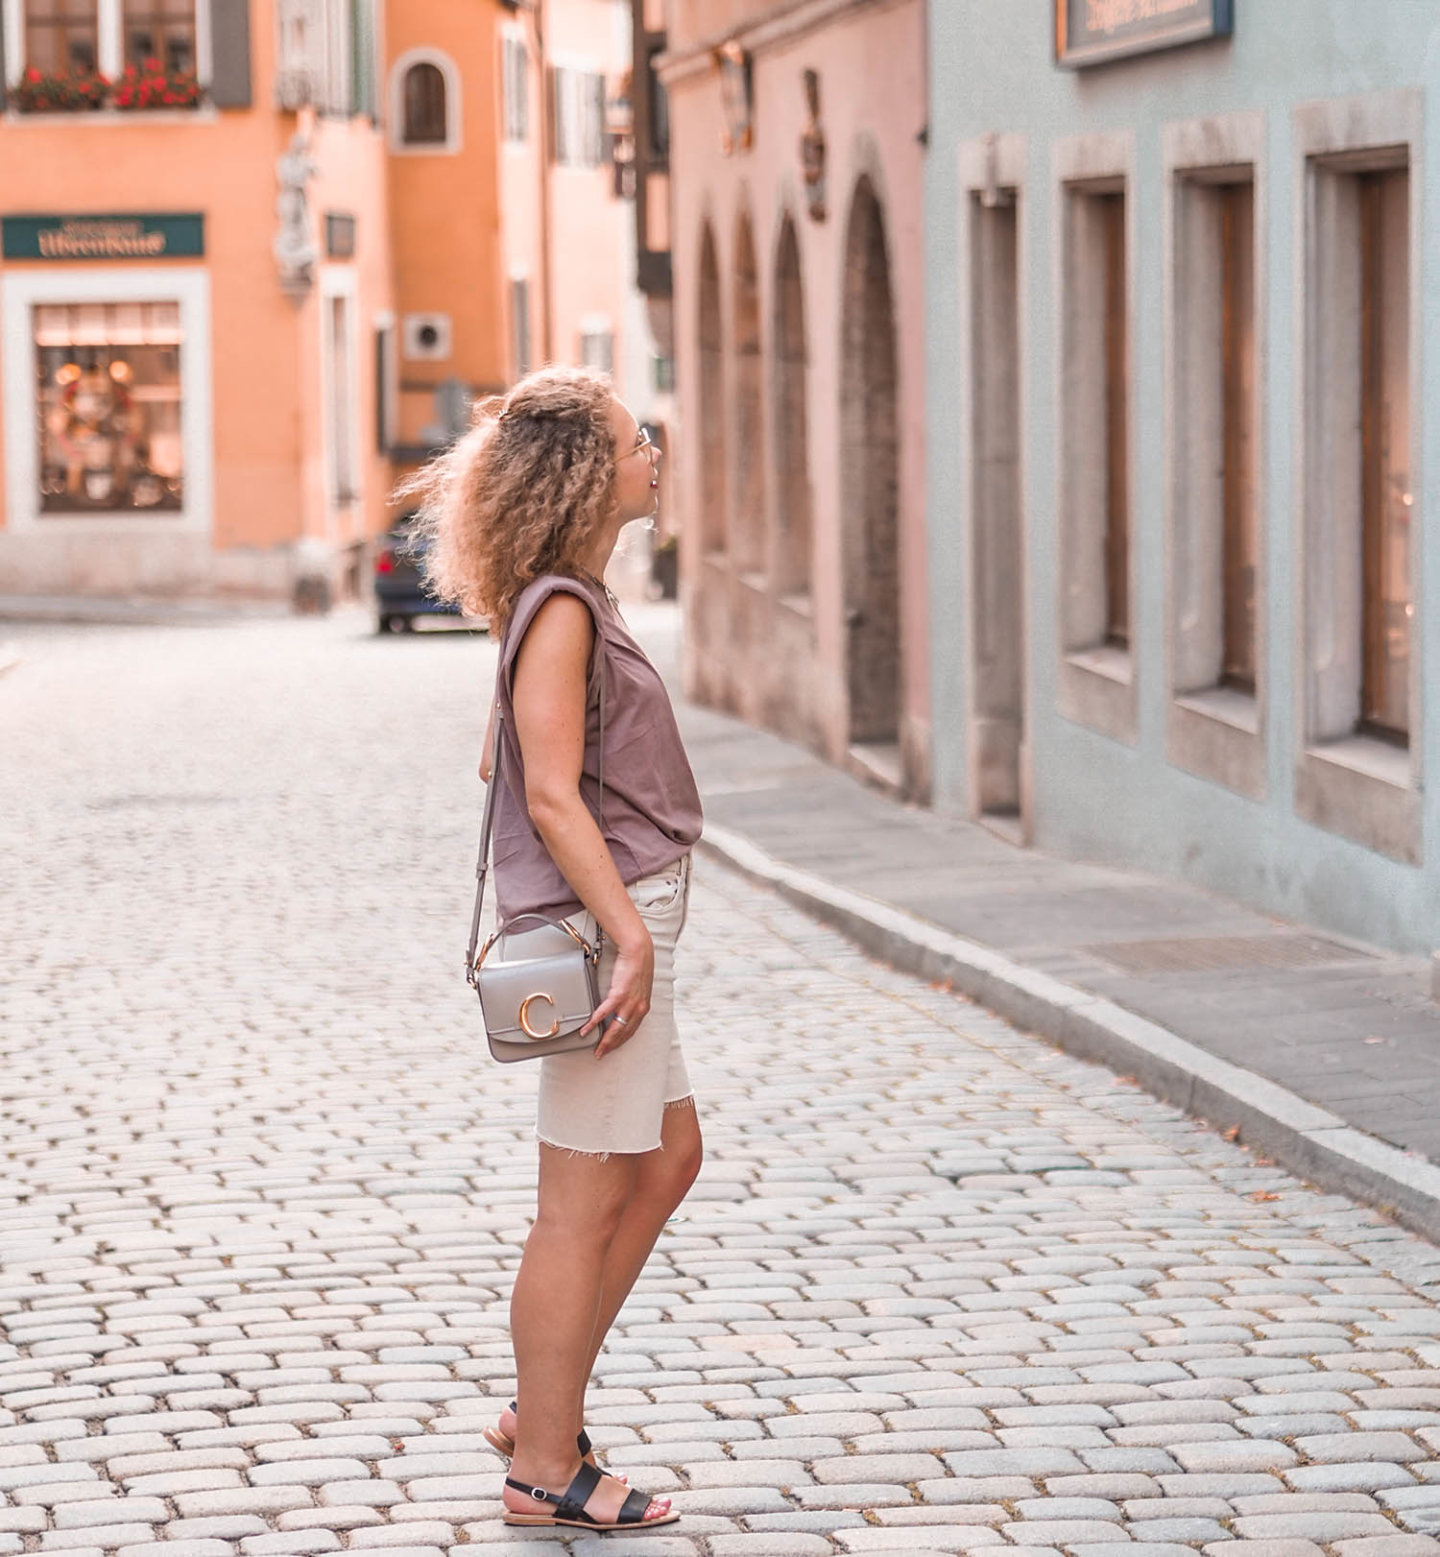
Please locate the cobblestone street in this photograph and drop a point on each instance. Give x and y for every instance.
(263, 1193)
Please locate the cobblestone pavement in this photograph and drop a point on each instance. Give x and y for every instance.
(940, 1288)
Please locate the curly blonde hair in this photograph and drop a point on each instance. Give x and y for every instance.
(522, 494)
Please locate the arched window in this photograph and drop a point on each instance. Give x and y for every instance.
(748, 527)
(424, 103)
(792, 460)
(712, 402)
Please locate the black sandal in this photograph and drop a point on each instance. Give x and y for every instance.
(570, 1507)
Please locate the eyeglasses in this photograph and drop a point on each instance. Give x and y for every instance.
(645, 445)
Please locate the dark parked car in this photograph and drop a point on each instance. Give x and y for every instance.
(399, 590)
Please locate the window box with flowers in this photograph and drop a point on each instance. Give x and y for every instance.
(61, 91)
(152, 85)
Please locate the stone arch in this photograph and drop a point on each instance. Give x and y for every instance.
(792, 453)
(747, 526)
(713, 517)
(870, 475)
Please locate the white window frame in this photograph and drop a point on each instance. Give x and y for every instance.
(20, 292)
(109, 18)
(1215, 732)
(395, 96)
(1096, 684)
(1351, 784)
(580, 70)
(339, 283)
(515, 113)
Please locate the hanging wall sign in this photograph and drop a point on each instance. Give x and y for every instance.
(167, 236)
(1090, 32)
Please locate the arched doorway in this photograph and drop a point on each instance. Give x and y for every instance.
(792, 457)
(712, 402)
(748, 520)
(870, 442)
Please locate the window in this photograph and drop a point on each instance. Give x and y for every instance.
(515, 88)
(1237, 397)
(363, 96)
(62, 36)
(520, 326)
(108, 402)
(340, 411)
(1096, 676)
(579, 112)
(1386, 500)
(1358, 769)
(424, 105)
(387, 386)
(163, 30)
(597, 345)
(1097, 394)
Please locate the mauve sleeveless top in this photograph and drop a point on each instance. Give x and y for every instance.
(652, 807)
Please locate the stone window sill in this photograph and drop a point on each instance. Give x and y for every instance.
(1215, 734)
(1106, 660)
(1365, 790)
(1097, 689)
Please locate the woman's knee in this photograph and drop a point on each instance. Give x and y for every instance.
(586, 1202)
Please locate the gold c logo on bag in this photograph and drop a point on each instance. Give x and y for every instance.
(525, 1005)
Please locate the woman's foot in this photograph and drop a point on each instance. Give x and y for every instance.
(602, 1502)
(502, 1437)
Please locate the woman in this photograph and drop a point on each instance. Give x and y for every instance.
(523, 514)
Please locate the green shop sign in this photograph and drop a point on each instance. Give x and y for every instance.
(170, 236)
(1090, 32)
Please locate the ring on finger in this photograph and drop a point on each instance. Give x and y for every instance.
(621, 1021)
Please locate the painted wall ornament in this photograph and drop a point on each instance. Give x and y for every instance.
(812, 148)
(295, 248)
(737, 93)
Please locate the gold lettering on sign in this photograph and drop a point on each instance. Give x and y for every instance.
(101, 240)
(1111, 15)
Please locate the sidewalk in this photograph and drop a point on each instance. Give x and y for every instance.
(1319, 1049)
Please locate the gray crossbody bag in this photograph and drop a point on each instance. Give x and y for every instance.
(537, 977)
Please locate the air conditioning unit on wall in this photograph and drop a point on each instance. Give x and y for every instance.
(425, 337)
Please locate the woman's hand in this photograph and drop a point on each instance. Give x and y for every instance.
(627, 1001)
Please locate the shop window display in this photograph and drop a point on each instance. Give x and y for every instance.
(109, 407)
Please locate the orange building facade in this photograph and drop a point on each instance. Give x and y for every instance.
(260, 255)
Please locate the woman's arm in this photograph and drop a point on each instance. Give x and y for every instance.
(549, 698)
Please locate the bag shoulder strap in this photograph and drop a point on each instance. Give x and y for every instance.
(487, 821)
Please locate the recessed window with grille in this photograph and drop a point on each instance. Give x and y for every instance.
(1386, 501)
(424, 105)
(515, 88)
(1237, 394)
(62, 35)
(578, 106)
(520, 325)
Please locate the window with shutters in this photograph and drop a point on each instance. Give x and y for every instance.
(578, 107)
(515, 88)
(62, 36)
(162, 30)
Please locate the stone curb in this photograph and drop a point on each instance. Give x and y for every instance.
(1314, 1143)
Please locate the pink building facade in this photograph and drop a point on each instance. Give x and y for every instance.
(796, 244)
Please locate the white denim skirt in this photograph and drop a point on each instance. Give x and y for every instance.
(617, 1103)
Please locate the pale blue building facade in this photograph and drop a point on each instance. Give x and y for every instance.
(1183, 304)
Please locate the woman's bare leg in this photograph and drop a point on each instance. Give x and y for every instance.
(554, 1309)
(662, 1180)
